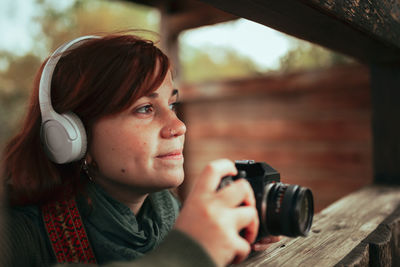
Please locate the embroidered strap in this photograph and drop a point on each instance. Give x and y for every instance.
(66, 232)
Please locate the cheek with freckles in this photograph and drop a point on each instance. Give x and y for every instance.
(136, 156)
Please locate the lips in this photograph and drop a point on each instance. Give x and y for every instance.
(174, 154)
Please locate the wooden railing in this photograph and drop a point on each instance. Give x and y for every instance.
(362, 229)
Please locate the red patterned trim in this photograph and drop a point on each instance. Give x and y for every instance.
(66, 232)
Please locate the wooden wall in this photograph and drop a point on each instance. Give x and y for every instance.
(314, 127)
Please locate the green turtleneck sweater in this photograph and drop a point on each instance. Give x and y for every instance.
(117, 236)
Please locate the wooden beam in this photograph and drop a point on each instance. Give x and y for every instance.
(182, 15)
(366, 30)
(197, 17)
(385, 85)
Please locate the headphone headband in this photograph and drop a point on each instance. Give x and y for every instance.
(46, 108)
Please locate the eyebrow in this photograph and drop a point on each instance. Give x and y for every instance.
(155, 95)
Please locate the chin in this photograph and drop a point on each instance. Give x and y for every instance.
(174, 179)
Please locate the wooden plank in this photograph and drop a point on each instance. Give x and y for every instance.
(336, 231)
(196, 17)
(359, 256)
(289, 84)
(281, 130)
(315, 129)
(311, 164)
(393, 222)
(385, 85)
(380, 248)
(366, 30)
(376, 18)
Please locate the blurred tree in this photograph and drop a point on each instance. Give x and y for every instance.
(304, 55)
(57, 26)
(212, 63)
(94, 16)
(15, 82)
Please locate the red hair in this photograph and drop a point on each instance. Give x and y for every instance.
(98, 78)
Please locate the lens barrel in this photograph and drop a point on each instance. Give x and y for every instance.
(285, 209)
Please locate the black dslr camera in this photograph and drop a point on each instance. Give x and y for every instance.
(283, 209)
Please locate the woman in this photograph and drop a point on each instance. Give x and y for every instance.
(110, 200)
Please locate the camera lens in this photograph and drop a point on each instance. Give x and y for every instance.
(285, 210)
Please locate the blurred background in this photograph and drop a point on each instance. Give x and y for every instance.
(247, 91)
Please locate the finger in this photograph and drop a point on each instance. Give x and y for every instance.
(237, 193)
(260, 247)
(275, 239)
(212, 174)
(269, 239)
(265, 242)
(243, 250)
(247, 219)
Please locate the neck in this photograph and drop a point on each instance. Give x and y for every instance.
(133, 203)
(124, 194)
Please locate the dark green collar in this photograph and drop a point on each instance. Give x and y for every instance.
(115, 233)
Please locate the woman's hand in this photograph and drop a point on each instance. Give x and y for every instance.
(265, 243)
(215, 218)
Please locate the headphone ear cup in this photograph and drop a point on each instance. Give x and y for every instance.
(64, 138)
(81, 141)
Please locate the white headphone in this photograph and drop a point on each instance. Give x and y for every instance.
(63, 135)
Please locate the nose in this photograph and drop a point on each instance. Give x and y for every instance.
(174, 128)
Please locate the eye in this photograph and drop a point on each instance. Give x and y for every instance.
(147, 109)
(174, 106)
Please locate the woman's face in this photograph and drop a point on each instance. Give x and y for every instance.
(140, 149)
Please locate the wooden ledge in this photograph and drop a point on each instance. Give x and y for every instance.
(362, 229)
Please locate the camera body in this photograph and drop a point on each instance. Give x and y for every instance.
(283, 209)
(258, 174)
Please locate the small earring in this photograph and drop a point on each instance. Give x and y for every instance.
(85, 168)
